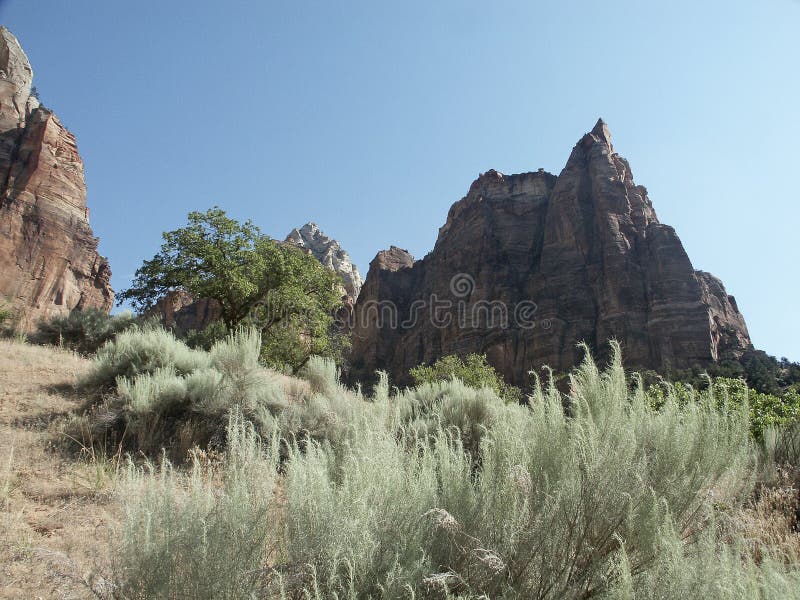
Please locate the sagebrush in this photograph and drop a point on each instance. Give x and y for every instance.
(445, 491)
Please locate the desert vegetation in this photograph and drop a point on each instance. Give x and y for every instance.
(82, 331)
(8, 320)
(277, 487)
(474, 370)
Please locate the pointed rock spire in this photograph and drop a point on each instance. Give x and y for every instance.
(600, 133)
(329, 253)
(16, 77)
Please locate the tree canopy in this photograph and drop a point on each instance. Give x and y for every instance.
(256, 280)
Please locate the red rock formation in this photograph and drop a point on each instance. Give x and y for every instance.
(528, 265)
(49, 263)
(179, 311)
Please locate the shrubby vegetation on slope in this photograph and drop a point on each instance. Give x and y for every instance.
(151, 391)
(474, 370)
(82, 331)
(6, 320)
(445, 490)
(765, 410)
(763, 373)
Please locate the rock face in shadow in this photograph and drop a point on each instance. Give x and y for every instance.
(528, 265)
(49, 263)
(179, 311)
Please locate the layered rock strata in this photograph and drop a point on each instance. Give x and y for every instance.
(49, 264)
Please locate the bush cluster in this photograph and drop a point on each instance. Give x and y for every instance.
(6, 320)
(83, 331)
(765, 411)
(151, 391)
(447, 491)
(474, 370)
(763, 373)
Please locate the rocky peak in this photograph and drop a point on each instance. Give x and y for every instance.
(392, 259)
(49, 263)
(329, 253)
(529, 265)
(600, 134)
(16, 77)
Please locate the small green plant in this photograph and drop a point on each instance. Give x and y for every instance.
(205, 339)
(98, 471)
(5, 315)
(8, 321)
(474, 370)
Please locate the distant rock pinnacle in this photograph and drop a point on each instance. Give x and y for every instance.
(328, 251)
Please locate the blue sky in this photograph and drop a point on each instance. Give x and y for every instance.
(371, 118)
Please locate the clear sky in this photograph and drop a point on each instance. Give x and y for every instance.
(371, 118)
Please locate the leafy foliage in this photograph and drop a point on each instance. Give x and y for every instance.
(474, 371)
(6, 320)
(764, 410)
(82, 331)
(205, 339)
(762, 372)
(278, 288)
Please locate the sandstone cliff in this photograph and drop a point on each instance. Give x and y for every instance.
(528, 265)
(49, 263)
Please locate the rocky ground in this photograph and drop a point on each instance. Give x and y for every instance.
(56, 509)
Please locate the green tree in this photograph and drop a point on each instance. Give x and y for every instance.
(256, 280)
(474, 371)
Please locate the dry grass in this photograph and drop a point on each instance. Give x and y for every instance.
(771, 518)
(54, 510)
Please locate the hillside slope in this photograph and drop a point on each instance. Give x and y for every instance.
(54, 510)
